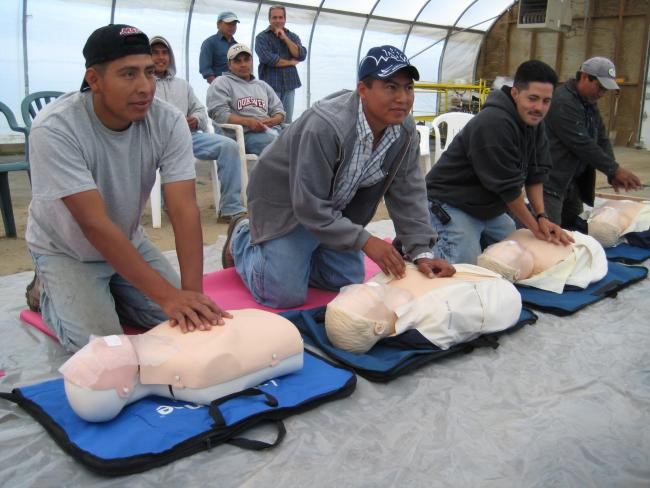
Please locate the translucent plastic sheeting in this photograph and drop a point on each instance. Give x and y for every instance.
(334, 54)
(399, 9)
(166, 18)
(483, 14)
(456, 66)
(56, 33)
(443, 12)
(565, 402)
(11, 65)
(423, 50)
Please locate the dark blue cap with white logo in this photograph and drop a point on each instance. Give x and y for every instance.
(383, 62)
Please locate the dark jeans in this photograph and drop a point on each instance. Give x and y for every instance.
(564, 210)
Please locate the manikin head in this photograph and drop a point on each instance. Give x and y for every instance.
(508, 258)
(360, 315)
(608, 222)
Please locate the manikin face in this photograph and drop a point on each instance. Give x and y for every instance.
(533, 102)
(590, 90)
(277, 19)
(228, 29)
(161, 59)
(122, 90)
(387, 102)
(241, 66)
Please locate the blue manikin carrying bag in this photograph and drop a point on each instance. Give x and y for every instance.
(155, 431)
(572, 299)
(390, 357)
(627, 253)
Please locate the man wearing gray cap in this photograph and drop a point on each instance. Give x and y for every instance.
(579, 144)
(212, 59)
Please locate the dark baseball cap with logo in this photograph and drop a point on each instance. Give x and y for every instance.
(383, 62)
(112, 42)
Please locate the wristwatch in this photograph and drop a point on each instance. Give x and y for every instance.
(541, 215)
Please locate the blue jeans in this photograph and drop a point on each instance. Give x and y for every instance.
(226, 152)
(83, 298)
(256, 141)
(286, 97)
(459, 241)
(278, 272)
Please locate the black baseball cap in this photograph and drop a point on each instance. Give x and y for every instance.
(112, 42)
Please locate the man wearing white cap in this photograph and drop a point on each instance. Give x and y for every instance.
(212, 59)
(238, 98)
(579, 144)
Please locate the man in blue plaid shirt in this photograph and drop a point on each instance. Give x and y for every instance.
(279, 51)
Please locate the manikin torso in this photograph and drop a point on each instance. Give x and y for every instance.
(111, 372)
(361, 314)
(609, 221)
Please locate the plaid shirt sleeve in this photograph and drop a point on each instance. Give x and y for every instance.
(303, 50)
(265, 51)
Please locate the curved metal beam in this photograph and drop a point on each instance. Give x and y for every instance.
(408, 34)
(25, 60)
(449, 32)
(311, 37)
(257, 14)
(113, 11)
(363, 31)
(190, 12)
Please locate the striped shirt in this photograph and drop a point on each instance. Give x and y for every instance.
(364, 169)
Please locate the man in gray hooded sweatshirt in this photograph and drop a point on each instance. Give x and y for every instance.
(481, 175)
(316, 187)
(237, 97)
(205, 145)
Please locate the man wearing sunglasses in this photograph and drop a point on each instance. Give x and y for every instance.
(579, 144)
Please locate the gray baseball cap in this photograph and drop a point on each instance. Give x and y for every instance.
(227, 17)
(603, 69)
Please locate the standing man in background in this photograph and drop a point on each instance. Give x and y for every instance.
(280, 51)
(579, 144)
(212, 60)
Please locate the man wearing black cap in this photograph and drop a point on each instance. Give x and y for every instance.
(579, 144)
(315, 188)
(94, 156)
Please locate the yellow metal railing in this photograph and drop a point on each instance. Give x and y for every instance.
(447, 91)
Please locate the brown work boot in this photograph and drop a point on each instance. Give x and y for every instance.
(227, 259)
(33, 294)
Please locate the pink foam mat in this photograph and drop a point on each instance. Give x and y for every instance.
(226, 288)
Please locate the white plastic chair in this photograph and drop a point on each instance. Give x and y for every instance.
(245, 158)
(156, 192)
(455, 121)
(425, 152)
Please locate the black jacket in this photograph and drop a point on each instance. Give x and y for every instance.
(578, 142)
(490, 160)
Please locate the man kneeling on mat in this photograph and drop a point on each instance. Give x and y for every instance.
(442, 312)
(525, 260)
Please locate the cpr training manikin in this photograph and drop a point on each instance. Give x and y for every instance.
(526, 260)
(445, 311)
(110, 372)
(609, 222)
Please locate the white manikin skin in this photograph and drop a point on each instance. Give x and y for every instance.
(609, 221)
(198, 367)
(516, 250)
(372, 306)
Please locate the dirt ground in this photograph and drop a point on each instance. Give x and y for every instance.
(14, 257)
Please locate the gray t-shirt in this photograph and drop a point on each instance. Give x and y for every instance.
(71, 151)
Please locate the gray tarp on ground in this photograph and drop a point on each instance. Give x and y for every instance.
(565, 402)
